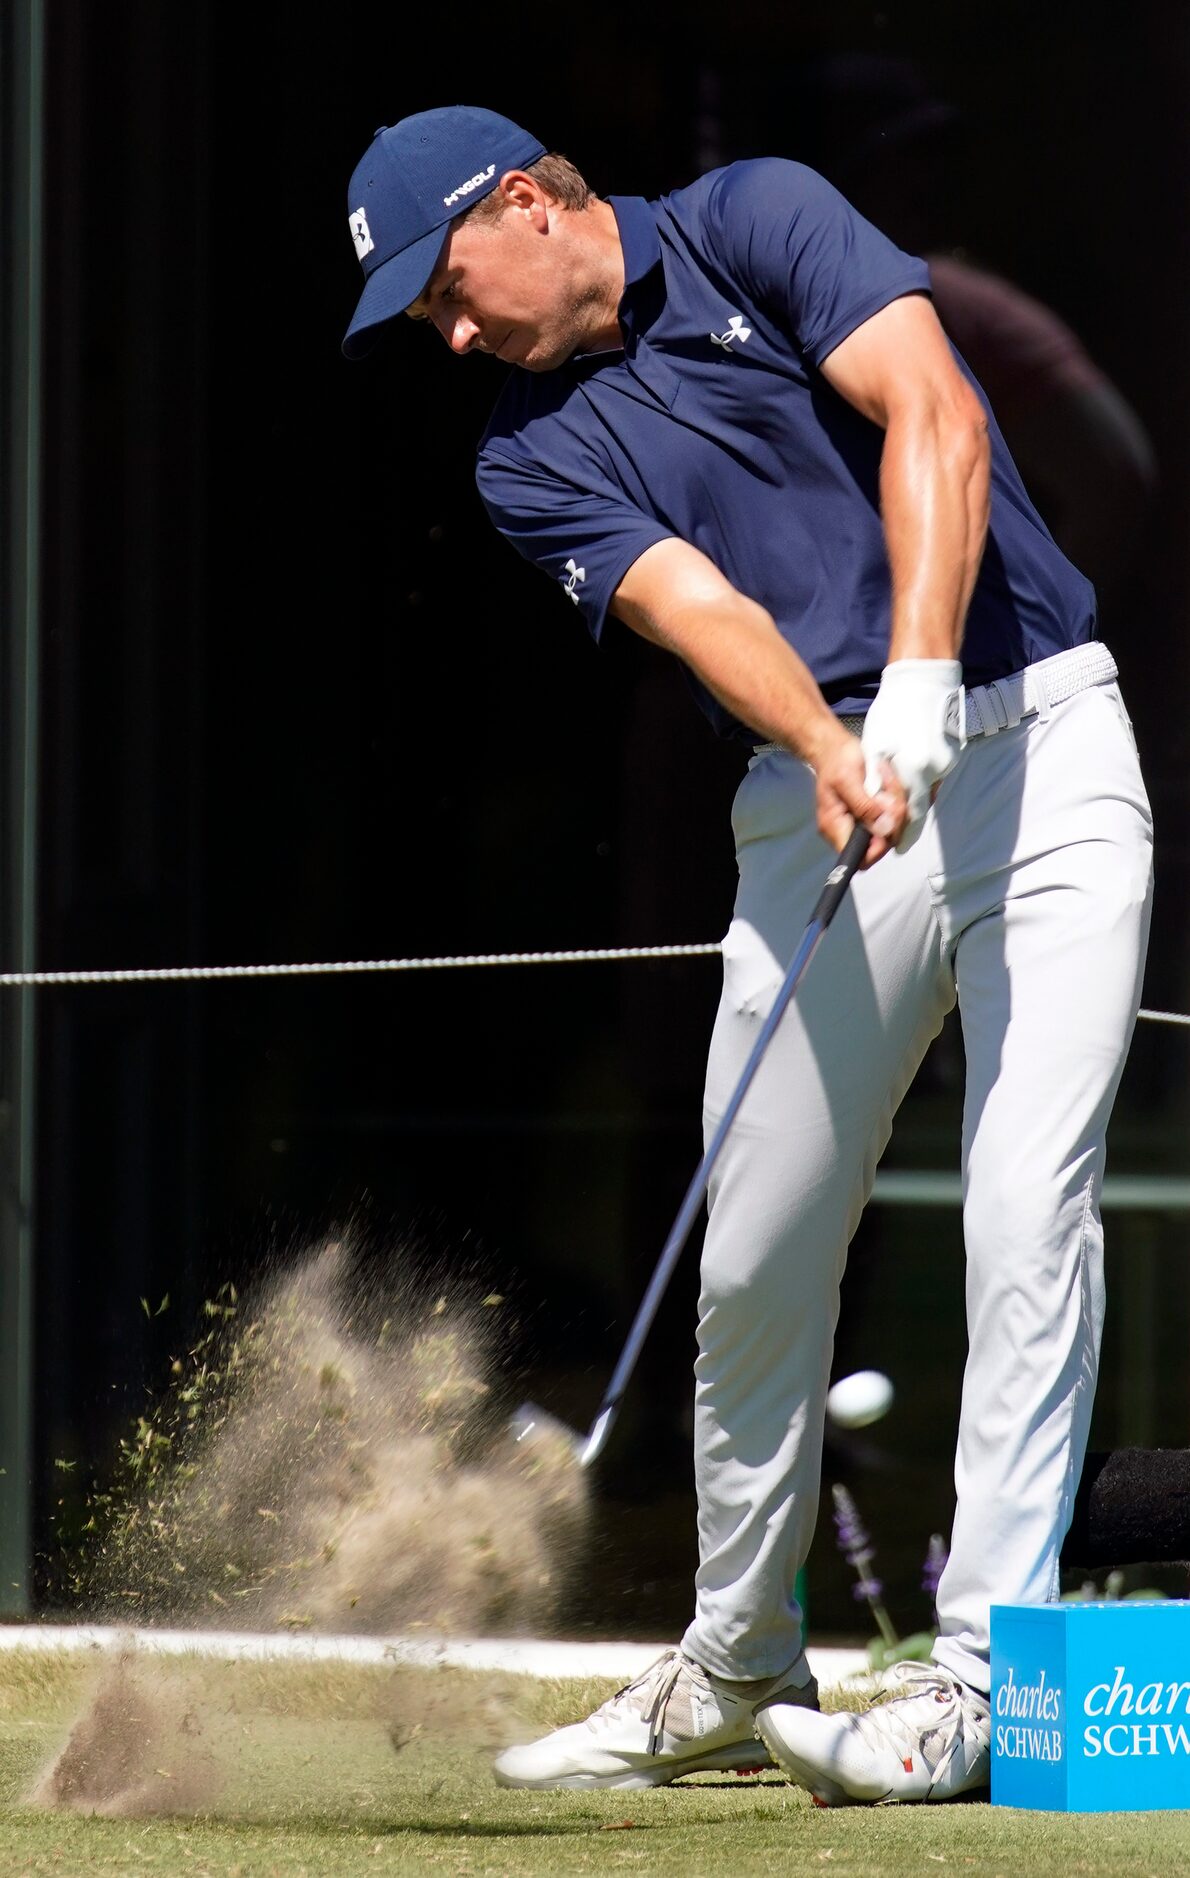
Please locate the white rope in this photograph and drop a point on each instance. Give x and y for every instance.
(177, 973)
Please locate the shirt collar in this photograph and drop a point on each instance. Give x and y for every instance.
(642, 253)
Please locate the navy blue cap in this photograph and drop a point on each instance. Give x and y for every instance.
(412, 181)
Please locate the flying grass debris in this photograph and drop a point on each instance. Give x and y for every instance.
(332, 1461)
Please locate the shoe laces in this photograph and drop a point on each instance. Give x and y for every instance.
(915, 1682)
(650, 1693)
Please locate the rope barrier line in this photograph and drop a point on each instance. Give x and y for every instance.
(196, 974)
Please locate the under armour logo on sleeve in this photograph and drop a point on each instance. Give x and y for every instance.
(735, 330)
(573, 574)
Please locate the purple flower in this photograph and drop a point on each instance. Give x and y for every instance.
(854, 1542)
(856, 1548)
(935, 1561)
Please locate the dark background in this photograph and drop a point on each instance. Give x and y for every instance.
(301, 703)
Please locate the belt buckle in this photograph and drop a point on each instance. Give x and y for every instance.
(1008, 714)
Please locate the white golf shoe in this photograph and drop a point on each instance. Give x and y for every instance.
(926, 1738)
(674, 1719)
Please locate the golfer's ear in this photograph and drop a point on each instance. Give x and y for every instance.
(521, 191)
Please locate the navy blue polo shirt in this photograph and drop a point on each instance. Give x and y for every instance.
(714, 424)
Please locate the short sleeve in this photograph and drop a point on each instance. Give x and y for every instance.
(805, 253)
(585, 539)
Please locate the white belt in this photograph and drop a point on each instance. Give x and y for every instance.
(1005, 701)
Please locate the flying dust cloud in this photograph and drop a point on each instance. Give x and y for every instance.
(327, 1458)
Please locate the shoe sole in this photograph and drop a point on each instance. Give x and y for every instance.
(636, 1779)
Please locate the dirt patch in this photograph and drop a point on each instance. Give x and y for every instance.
(141, 1746)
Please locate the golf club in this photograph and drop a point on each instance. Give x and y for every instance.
(826, 906)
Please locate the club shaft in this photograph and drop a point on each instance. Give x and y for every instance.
(827, 904)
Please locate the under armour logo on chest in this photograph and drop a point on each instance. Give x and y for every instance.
(573, 574)
(735, 330)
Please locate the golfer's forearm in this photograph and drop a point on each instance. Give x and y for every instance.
(934, 479)
(732, 645)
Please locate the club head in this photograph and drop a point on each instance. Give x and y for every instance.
(601, 1427)
(532, 1423)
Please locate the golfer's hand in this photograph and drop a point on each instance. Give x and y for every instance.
(906, 727)
(845, 796)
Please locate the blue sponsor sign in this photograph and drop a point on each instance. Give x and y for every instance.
(1091, 1706)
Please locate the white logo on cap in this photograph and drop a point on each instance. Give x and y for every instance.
(361, 234)
(472, 182)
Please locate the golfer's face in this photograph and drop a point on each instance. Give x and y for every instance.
(498, 288)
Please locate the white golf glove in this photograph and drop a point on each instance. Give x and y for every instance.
(906, 723)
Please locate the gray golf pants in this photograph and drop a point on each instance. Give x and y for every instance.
(1027, 897)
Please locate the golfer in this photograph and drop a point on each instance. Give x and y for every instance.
(733, 425)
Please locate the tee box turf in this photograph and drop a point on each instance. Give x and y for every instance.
(1091, 1706)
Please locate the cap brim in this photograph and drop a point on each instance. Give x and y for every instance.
(395, 285)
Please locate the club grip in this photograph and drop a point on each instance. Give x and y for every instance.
(839, 878)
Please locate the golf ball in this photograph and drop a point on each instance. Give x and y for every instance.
(856, 1400)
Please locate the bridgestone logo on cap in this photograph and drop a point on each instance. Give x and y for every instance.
(361, 234)
(473, 182)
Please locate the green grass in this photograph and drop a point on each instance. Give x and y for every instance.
(310, 1783)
